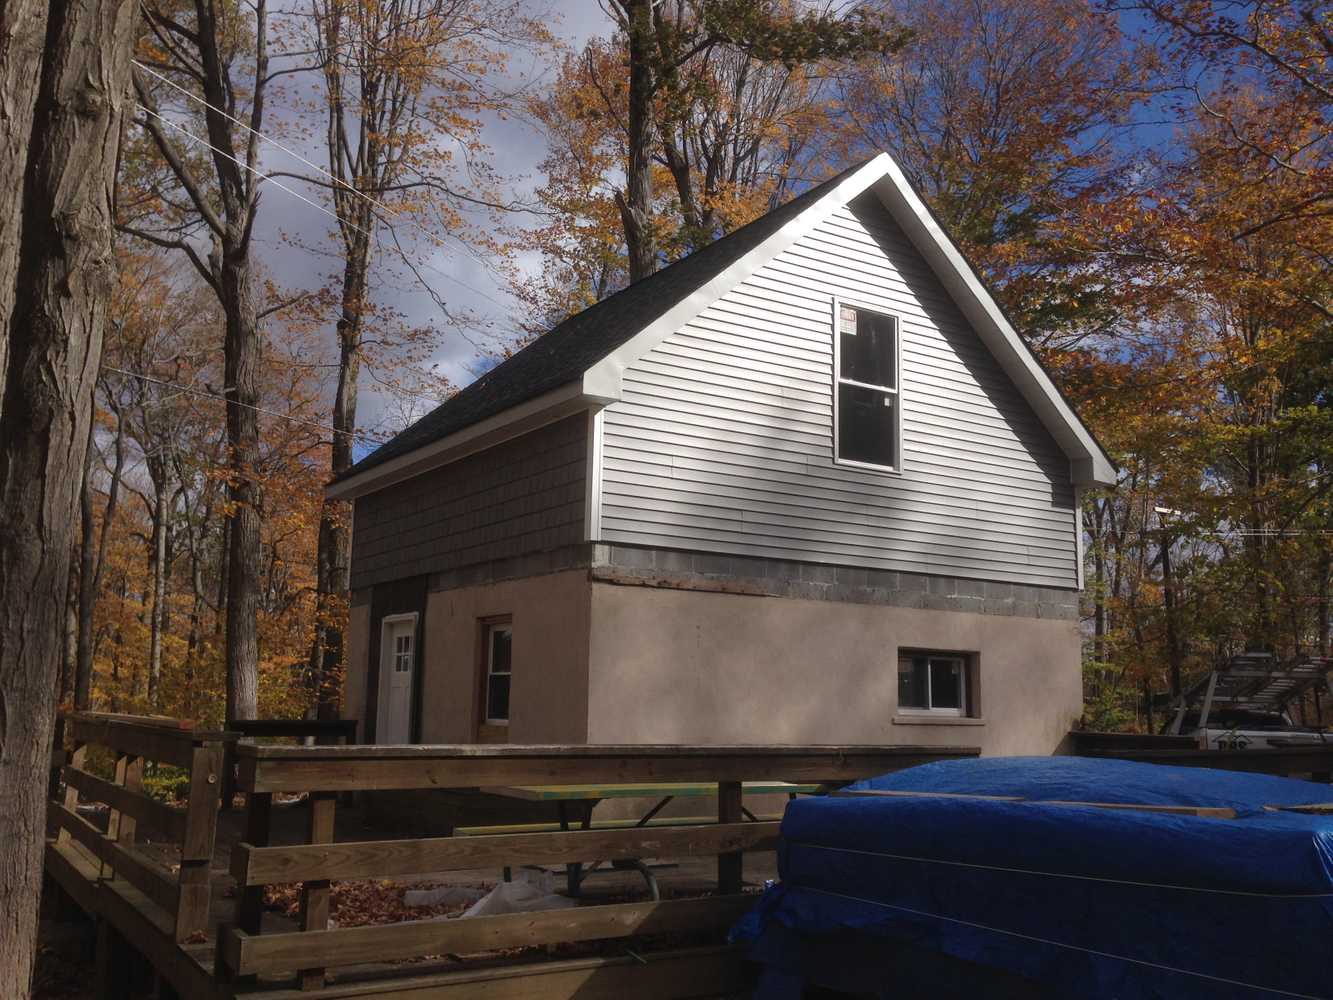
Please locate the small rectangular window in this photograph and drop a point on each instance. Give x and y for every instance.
(866, 401)
(933, 682)
(499, 672)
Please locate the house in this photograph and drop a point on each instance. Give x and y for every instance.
(806, 485)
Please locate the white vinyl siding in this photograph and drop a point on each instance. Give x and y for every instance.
(723, 440)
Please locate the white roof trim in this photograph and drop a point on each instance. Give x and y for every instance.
(544, 409)
(1089, 465)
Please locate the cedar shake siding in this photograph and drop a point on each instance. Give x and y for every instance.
(523, 495)
(723, 440)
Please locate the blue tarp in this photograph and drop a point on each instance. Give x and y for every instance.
(1087, 902)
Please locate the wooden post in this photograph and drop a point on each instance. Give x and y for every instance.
(113, 971)
(76, 759)
(201, 820)
(315, 893)
(120, 827)
(258, 814)
(729, 811)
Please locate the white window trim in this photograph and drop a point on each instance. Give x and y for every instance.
(896, 391)
(491, 629)
(950, 713)
(386, 664)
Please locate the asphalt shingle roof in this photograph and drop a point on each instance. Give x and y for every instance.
(575, 345)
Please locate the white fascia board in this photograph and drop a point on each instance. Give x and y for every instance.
(604, 379)
(1089, 465)
(547, 408)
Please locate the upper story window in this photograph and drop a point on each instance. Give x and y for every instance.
(867, 429)
(499, 665)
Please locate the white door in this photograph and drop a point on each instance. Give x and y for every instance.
(398, 657)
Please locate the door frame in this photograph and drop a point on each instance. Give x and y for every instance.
(386, 671)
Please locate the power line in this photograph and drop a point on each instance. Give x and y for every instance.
(320, 170)
(235, 402)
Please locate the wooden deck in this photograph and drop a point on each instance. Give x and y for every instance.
(184, 888)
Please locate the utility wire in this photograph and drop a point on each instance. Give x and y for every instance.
(337, 182)
(192, 390)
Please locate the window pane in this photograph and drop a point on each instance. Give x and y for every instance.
(867, 425)
(946, 684)
(501, 647)
(912, 683)
(497, 697)
(866, 350)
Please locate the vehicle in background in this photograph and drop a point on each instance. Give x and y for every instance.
(1246, 703)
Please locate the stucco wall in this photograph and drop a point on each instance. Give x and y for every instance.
(673, 666)
(548, 699)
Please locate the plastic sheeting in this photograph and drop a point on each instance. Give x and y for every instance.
(1085, 902)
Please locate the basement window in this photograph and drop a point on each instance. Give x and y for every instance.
(867, 430)
(935, 683)
(499, 663)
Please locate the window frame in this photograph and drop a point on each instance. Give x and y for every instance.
(897, 391)
(966, 695)
(488, 628)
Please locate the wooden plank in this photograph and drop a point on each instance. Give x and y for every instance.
(150, 930)
(76, 759)
(275, 953)
(201, 812)
(1212, 812)
(159, 721)
(729, 803)
(295, 728)
(710, 971)
(887, 793)
(297, 769)
(158, 743)
(258, 822)
(389, 858)
(73, 873)
(315, 892)
(676, 789)
(151, 879)
(144, 808)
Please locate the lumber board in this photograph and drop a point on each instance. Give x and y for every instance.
(276, 953)
(157, 743)
(151, 879)
(252, 865)
(149, 930)
(201, 813)
(75, 874)
(712, 971)
(143, 807)
(1276, 760)
(158, 721)
(729, 810)
(362, 768)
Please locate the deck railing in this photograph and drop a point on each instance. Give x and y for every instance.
(323, 772)
(182, 896)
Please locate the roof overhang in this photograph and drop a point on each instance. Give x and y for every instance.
(1089, 464)
(545, 409)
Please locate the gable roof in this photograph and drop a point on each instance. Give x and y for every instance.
(586, 354)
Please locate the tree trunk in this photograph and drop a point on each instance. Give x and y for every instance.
(243, 559)
(1325, 571)
(1172, 634)
(22, 36)
(636, 203)
(158, 567)
(335, 536)
(91, 563)
(60, 285)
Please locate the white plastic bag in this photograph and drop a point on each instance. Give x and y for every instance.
(530, 891)
(447, 895)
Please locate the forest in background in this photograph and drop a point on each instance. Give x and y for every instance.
(1147, 188)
